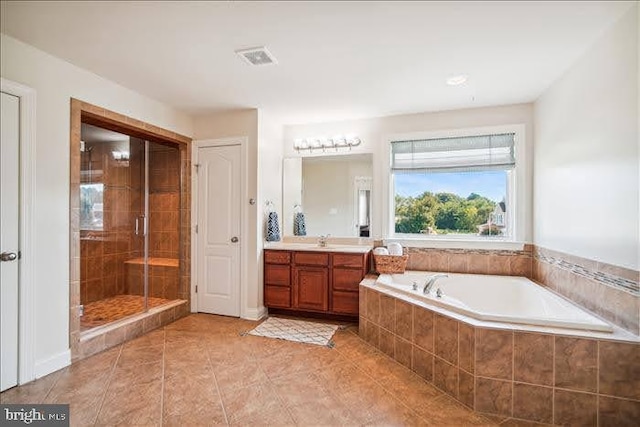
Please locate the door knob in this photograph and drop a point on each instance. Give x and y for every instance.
(234, 239)
(8, 256)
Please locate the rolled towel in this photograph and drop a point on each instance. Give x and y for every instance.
(273, 229)
(381, 251)
(395, 249)
(299, 226)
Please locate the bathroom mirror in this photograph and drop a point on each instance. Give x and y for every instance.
(333, 193)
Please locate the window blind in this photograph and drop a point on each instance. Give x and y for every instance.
(456, 154)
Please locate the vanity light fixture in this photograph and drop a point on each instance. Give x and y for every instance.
(120, 155)
(324, 143)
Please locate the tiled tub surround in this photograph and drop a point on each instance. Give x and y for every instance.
(525, 374)
(609, 291)
(473, 261)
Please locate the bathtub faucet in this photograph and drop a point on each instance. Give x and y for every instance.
(431, 281)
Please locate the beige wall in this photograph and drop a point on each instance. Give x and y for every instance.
(56, 82)
(375, 131)
(586, 188)
(242, 123)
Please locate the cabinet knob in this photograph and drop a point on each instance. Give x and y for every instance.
(234, 239)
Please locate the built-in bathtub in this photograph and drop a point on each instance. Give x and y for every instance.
(518, 366)
(507, 299)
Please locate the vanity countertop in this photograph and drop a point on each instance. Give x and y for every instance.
(331, 247)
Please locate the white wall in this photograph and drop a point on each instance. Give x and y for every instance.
(374, 132)
(586, 186)
(55, 82)
(269, 187)
(242, 123)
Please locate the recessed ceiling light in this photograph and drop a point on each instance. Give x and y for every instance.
(457, 80)
(257, 56)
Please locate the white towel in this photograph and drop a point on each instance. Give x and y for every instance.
(395, 249)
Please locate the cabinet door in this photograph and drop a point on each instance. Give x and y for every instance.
(346, 279)
(277, 296)
(311, 288)
(345, 302)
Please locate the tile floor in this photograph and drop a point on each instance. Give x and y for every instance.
(200, 371)
(109, 310)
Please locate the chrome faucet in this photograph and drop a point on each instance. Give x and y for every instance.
(431, 281)
(322, 240)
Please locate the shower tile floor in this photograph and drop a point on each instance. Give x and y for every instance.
(108, 310)
(200, 371)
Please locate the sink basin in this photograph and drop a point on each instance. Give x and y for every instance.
(331, 247)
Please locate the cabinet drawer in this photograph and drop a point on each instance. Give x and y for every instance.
(277, 296)
(275, 274)
(345, 279)
(310, 258)
(277, 257)
(348, 260)
(345, 302)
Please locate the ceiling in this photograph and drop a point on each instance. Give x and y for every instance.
(336, 60)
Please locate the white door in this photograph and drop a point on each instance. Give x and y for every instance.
(9, 209)
(218, 234)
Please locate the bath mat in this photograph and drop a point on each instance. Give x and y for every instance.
(296, 330)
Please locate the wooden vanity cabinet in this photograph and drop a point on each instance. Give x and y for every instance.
(277, 279)
(318, 282)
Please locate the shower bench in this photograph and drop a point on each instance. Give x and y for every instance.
(164, 277)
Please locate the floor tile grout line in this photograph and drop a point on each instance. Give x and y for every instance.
(281, 400)
(384, 389)
(164, 348)
(106, 388)
(55, 382)
(215, 381)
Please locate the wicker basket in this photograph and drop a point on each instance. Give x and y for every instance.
(390, 264)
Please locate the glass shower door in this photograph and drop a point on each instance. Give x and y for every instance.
(112, 203)
(138, 267)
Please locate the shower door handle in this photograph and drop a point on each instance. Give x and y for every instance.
(145, 226)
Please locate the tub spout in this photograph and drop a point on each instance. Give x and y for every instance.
(431, 281)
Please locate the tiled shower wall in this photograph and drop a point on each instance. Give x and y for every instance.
(609, 291)
(164, 201)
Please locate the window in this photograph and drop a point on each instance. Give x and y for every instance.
(91, 206)
(455, 186)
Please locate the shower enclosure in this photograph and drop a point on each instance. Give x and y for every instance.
(130, 203)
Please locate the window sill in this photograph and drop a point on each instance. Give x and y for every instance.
(440, 243)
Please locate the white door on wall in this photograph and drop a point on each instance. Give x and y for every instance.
(9, 238)
(218, 234)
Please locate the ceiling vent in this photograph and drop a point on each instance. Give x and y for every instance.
(257, 56)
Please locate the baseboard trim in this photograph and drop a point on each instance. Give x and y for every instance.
(255, 313)
(52, 364)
